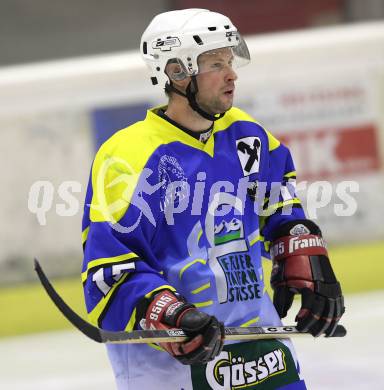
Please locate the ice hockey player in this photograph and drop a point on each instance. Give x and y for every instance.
(179, 210)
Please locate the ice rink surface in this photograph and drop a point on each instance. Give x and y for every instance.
(67, 360)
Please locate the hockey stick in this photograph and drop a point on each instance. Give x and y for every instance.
(157, 336)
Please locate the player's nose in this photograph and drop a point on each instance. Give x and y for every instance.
(231, 75)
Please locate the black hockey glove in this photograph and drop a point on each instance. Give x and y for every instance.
(301, 265)
(206, 333)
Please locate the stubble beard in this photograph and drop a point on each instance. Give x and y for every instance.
(215, 105)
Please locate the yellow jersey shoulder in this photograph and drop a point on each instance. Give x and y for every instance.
(235, 114)
(117, 167)
(135, 143)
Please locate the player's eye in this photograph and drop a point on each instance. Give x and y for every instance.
(217, 65)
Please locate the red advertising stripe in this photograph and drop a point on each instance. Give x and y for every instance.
(334, 152)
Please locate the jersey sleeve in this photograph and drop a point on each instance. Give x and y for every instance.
(119, 266)
(281, 203)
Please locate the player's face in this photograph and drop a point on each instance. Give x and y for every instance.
(216, 81)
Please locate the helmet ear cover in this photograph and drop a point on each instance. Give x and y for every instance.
(178, 76)
(178, 71)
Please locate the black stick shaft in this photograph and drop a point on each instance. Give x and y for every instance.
(158, 336)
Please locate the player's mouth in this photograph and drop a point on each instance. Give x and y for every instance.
(229, 92)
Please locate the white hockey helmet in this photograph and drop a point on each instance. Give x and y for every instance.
(183, 35)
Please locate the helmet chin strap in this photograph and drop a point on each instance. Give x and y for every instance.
(190, 94)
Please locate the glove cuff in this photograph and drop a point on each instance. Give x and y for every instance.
(297, 227)
(165, 308)
(299, 256)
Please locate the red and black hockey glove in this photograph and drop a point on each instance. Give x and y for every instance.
(206, 333)
(301, 265)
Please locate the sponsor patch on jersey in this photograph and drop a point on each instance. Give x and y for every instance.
(227, 231)
(230, 371)
(249, 151)
(237, 277)
(247, 366)
(242, 280)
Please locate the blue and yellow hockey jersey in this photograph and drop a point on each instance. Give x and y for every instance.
(164, 210)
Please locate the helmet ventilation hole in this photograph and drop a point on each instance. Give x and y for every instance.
(197, 39)
(144, 47)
